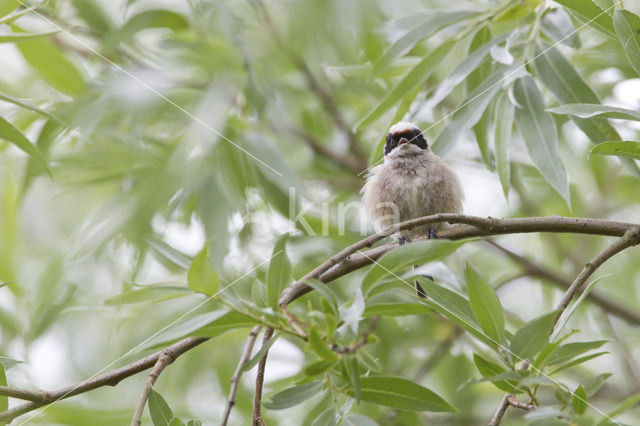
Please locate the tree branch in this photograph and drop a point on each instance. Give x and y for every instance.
(111, 378)
(235, 380)
(473, 226)
(631, 237)
(257, 400)
(163, 361)
(534, 269)
(511, 400)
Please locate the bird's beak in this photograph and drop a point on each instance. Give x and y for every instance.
(403, 141)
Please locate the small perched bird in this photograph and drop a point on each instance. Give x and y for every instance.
(412, 182)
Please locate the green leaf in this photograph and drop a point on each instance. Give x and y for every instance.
(354, 376)
(53, 66)
(426, 29)
(485, 305)
(570, 350)
(325, 291)
(414, 78)
(396, 309)
(16, 38)
(462, 71)
(489, 369)
(148, 19)
(7, 6)
(94, 15)
(559, 76)
(579, 400)
(318, 367)
(588, 11)
(597, 383)
(625, 405)
(152, 294)
(503, 121)
(401, 394)
(482, 72)
(293, 395)
(13, 135)
(532, 337)
(453, 307)
(629, 149)
(557, 25)
(359, 420)
(279, 273)
(398, 259)
(627, 25)
(577, 361)
(258, 355)
(472, 109)
(202, 278)
(194, 422)
(538, 129)
(9, 362)
(596, 110)
(319, 346)
(176, 422)
(161, 414)
(224, 323)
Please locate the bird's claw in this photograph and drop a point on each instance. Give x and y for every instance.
(431, 233)
(403, 240)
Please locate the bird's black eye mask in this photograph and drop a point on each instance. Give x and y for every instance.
(409, 136)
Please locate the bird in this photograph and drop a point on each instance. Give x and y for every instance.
(411, 182)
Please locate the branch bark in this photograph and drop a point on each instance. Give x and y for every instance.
(257, 400)
(235, 380)
(163, 361)
(111, 378)
(532, 268)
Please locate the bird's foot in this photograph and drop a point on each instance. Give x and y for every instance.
(431, 233)
(403, 240)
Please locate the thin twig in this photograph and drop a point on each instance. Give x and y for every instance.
(164, 360)
(111, 378)
(235, 380)
(352, 349)
(631, 237)
(511, 400)
(534, 269)
(257, 400)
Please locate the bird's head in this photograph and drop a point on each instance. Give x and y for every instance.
(404, 139)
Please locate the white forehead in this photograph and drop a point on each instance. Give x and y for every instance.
(402, 126)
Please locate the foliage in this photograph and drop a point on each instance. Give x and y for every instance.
(169, 168)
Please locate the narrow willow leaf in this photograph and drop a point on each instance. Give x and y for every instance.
(255, 359)
(627, 25)
(396, 309)
(15, 136)
(596, 110)
(462, 71)
(18, 37)
(53, 66)
(161, 414)
(577, 361)
(564, 317)
(597, 383)
(202, 278)
(318, 367)
(423, 31)
(482, 131)
(485, 305)
(453, 307)
(279, 273)
(629, 149)
(414, 78)
(401, 394)
(327, 292)
(147, 295)
(7, 6)
(26, 105)
(94, 15)
(156, 18)
(557, 25)
(293, 396)
(625, 405)
(489, 369)
(472, 109)
(503, 125)
(359, 420)
(408, 255)
(482, 72)
(579, 400)
(570, 350)
(588, 11)
(538, 130)
(532, 337)
(319, 346)
(354, 375)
